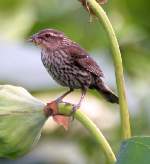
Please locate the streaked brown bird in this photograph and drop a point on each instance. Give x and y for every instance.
(70, 65)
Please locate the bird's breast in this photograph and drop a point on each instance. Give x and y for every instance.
(62, 68)
(54, 58)
(57, 64)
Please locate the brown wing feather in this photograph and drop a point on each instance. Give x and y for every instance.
(83, 59)
(88, 63)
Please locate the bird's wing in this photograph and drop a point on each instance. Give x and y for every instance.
(81, 57)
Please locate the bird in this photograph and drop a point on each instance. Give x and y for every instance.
(70, 65)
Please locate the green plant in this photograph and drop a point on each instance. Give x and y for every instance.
(22, 116)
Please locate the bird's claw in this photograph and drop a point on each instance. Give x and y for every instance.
(74, 109)
(58, 100)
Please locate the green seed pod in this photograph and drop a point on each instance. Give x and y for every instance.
(21, 120)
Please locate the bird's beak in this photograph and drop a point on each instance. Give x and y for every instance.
(35, 39)
(32, 39)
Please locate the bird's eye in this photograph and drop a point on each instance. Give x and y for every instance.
(47, 35)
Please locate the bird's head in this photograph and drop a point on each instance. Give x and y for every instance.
(47, 38)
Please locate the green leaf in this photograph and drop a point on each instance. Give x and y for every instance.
(135, 151)
(21, 121)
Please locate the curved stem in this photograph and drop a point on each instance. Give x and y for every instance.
(92, 128)
(100, 13)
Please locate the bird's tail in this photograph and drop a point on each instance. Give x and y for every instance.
(105, 91)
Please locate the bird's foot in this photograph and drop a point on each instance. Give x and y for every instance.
(74, 109)
(66, 103)
(58, 100)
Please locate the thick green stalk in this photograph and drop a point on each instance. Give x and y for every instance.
(125, 122)
(94, 131)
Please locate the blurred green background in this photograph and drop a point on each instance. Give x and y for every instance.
(20, 64)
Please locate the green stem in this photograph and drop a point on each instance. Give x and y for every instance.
(125, 122)
(94, 131)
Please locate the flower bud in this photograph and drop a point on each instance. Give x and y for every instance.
(21, 120)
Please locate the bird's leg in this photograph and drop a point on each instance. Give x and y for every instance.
(59, 99)
(77, 106)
